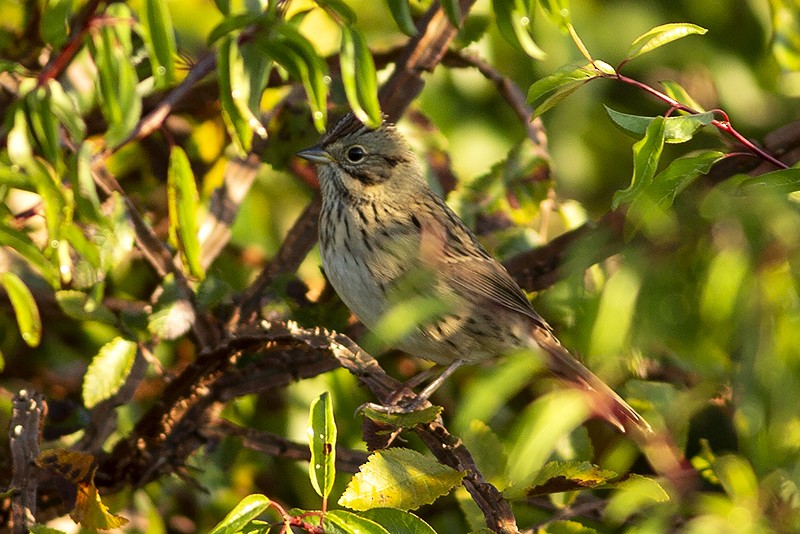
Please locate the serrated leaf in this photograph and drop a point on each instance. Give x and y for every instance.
(398, 521)
(549, 91)
(646, 154)
(359, 77)
(515, 21)
(344, 522)
(243, 513)
(25, 309)
(572, 475)
(21, 243)
(547, 420)
(108, 371)
(775, 182)
(677, 129)
(402, 420)
(661, 35)
(182, 201)
(399, 478)
(82, 307)
(453, 12)
(160, 42)
(401, 13)
(91, 513)
(322, 442)
(674, 90)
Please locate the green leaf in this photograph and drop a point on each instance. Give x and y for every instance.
(676, 129)
(243, 513)
(44, 124)
(82, 307)
(549, 91)
(398, 521)
(359, 77)
(340, 11)
(108, 371)
(646, 154)
(680, 173)
(344, 522)
(403, 420)
(636, 494)
(558, 477)
(232, 24)
(399, 478)
(515, 22)
(401, 13)
(558, 11)
(172, 316)
(65, 108)
(25, 309)
(780, 182)
(21, 243)
(543, 424)
(238, 128)
(160, 42)
(661, 35)
(674, 90)
(182, 200)
(453, 12)
(563, 526)
(785, 42)
(322, 442)
(487, 450)
(54, 24)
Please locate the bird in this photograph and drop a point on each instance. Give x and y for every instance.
(385, 235)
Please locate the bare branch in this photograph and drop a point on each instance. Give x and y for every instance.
(24, 432)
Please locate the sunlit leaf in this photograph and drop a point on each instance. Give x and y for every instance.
(322, 442)
(25, 309)
(232, 24)
(182, 200)
(75, 466)
(21, 243)
(646, 154)
(160, 41)
(238, 127)
(774, 182)
(557, 477)
(674, 90)
(401, 13)
(636, 493)
(402, 420)
(340, 10)
(54, 24)
(91, 513)
(359, 78)
(82, 307)
(549, 91)
(65, 107)
(108, 371)
(785, 34)
(248, 509)
(661, 35)
(399, 478)
(515, 22)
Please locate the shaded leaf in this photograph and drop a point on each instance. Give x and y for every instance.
(27, 313)
(676, 129)
(238, 127)
(321, 432)
(339, 10)
(401, 13)
(398, 521)
(402, 420)
(344, 522)
(54, 24)
(232, 24)
(646, 154)
(661, 35)
(557, 477)
(780, 181)
(248, 509)
(82, 307)
(399, 478)
(182, 200)
(565, 527)
(549, 91)
(108, 371)
(453, 12)
(65, 108)
(75, 466)
(515, 21)
(21, 243)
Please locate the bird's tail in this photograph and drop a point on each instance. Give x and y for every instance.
(604, 402)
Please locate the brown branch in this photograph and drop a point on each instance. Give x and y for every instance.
(24, 432)
(347, 460)
(72, 46)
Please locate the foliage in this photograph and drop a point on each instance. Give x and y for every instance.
(159, 283)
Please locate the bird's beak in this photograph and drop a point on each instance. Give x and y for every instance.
(315, 154)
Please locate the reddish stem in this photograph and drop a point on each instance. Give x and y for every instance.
(57, 64)
(723, 125)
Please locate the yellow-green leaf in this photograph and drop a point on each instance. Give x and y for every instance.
(21, 243)
(25, 309)
(661, 35)
(359, 77)
(515, 22)
(108, 371)
(401, 13)
(344, 522)
(182, 201)
(160, 42)
(549, 91)
(91, 513)
(399, 478)
(322, 442)
(248, 509)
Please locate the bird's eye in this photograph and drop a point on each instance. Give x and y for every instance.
(355, 154)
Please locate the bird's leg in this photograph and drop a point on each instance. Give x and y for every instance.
(441, 373)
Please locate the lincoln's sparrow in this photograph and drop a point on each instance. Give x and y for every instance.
(380, 223)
